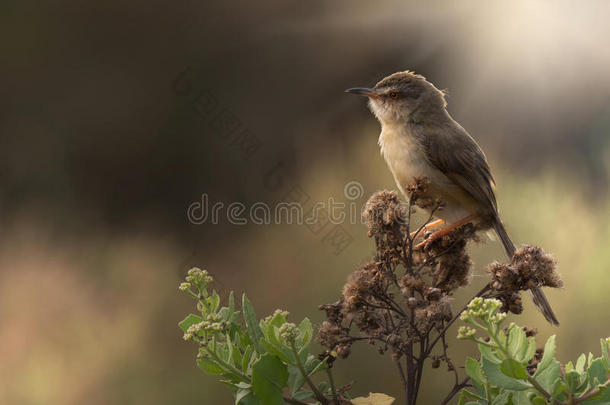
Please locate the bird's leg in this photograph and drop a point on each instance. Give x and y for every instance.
(426, 227)
(442, 232)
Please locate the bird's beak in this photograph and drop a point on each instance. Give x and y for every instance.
(363, 91)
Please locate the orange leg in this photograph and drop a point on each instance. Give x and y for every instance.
(442, 232)
(429, 225)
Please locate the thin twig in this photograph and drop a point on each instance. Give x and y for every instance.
(591, 393)
(293, 401)
(456, 388)
(403, 379)
(449, 364)
(455, 318)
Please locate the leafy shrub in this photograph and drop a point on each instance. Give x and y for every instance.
(512, 371)
(257, 359)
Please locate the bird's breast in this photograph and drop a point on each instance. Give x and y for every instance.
(405, 156)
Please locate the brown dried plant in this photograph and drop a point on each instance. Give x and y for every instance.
(401, 300)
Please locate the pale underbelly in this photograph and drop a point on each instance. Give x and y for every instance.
(457, 203)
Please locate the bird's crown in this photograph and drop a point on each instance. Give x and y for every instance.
(400, 78)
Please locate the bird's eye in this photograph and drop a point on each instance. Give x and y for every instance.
(394, 95)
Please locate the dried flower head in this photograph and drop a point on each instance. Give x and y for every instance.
(383, 211)
(529, 268)
(401, 296)
(417, 193)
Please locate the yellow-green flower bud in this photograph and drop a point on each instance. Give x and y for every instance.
(289, 332)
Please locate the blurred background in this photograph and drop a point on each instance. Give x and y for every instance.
(117, 116)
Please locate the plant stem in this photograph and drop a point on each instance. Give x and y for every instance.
(455, 318)
(493, 333)
(319, 396)
(332, 385)
(591, 393)
(410, 388)
(539, 387)
(402, 375)
(228, 366)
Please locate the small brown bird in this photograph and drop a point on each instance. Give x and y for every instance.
(420, 139)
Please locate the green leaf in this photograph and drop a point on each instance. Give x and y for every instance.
(224, 314)
(304, 354)
(516, 342)
(605, 343)
(539, 401)
(466, 396)
(547, 377)
(523, 397)
(249, 399)
(232, 352)
(231, 302)
(320, 365)
(241, 394)
(530, 350)
(188, 321)
(305, 333)
(580, 364)
(252, 324)
(597, 370)
(548, 356)
(559, 388)
(210, 366)
(295, 379)
(245, 360)
(573, 380)
(279, 350)
(498, 378)
(512, 368)
(269, 376)
(488, 353)
(603, 398)
(222, 350)
(504, 398)
(214, 301)
(473, 370)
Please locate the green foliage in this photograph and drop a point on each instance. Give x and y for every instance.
(509, 372)
(259, 360)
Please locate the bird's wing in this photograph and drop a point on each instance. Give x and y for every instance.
(453, 151)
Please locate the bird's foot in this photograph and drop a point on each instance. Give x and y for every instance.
(442, 232)
(428, 226)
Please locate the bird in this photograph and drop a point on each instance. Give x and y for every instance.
(419, 138)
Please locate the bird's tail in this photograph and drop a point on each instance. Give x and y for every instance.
(537, 295)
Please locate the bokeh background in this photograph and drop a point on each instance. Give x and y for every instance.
(109, 130)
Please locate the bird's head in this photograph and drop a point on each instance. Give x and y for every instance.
(401, 97)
